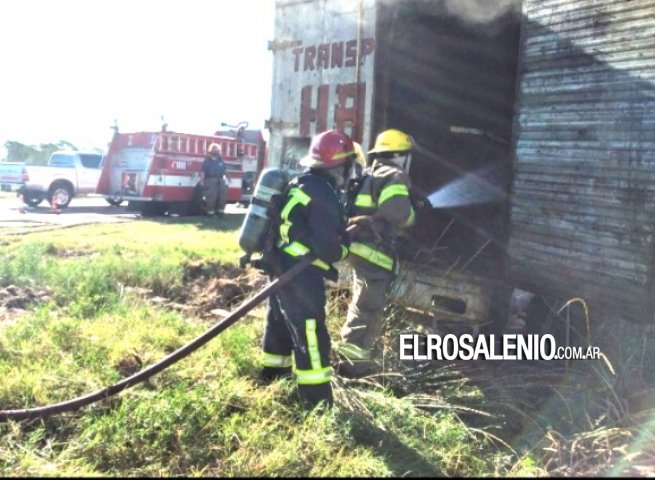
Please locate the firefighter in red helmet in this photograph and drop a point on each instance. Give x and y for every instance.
(311, 220)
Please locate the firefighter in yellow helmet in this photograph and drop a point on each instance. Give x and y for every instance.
(382, 204)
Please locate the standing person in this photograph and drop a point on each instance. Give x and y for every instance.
(213, 180)
(383, 204)
(311, 221)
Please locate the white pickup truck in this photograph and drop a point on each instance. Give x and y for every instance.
(67, 174)
(12, 176)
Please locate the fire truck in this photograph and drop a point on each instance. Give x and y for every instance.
(244, 135)
(159, 172)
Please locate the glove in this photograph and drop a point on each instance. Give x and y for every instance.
(261, 265)
(270, 263)
(346, 239)
(419, 201)
(364, 226)
(332, 274)
(360, 222)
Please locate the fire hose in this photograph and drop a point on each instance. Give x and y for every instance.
(174, 357)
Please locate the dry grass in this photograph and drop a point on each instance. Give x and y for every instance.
(601, 452)
(574, 417)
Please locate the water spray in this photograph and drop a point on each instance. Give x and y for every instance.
(474, 188)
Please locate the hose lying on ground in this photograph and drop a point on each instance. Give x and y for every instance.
(176, 356)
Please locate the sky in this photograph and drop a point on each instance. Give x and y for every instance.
(68, 68)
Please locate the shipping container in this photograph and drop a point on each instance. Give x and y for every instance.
(533, 122)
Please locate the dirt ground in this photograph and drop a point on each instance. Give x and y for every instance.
(213, 289)
(15, 301)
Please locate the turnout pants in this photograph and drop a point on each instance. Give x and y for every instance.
(215, 194)
(221, 201)
(295, 323)
(365, 319)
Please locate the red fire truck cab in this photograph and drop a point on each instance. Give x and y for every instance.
(159, 172)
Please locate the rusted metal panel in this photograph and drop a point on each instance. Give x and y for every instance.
(323, 63)
(582, 214)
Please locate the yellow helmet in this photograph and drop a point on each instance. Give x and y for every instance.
(392, 141)
(360, 157)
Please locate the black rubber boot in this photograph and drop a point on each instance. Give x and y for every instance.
(268, 375)
(354, 369)
(313, 396)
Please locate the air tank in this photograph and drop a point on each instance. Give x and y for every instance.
(259, 217)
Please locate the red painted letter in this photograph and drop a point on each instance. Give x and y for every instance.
(309, 114)
(323, 58)
(349, 110)
(337, 55)
(351, 53)
(310, 55)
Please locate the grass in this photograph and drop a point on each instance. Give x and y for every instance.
(207, 415)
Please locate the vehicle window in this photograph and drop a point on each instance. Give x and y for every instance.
(233, 167)
(90, 160)
(62, 160)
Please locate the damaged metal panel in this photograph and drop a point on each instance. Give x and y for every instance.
(447, 295)
(323, 61)
(583, 196)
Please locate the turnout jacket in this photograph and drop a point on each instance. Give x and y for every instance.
(384, 196)
(312, 219)
(214, 167)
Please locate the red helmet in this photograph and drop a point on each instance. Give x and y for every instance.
(329, 149)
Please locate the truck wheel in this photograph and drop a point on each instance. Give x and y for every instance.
(62, 193)
(33, 199)
(197, 205)
(114, 200)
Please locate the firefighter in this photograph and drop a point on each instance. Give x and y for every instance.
(311, 220)
(213, 180)
(382, 203)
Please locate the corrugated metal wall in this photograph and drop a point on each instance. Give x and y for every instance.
(583, 196)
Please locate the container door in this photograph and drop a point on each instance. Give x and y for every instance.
(130, 171)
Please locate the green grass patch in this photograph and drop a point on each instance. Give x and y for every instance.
(207, 415)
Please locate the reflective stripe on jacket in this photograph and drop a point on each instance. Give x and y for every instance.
(312, 220)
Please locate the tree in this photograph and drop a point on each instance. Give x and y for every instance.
(33, 154)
